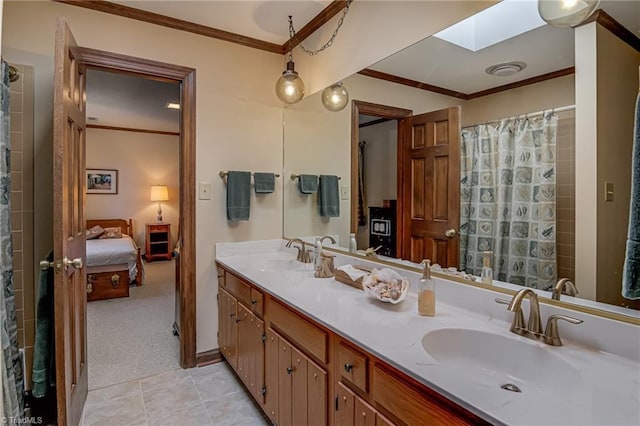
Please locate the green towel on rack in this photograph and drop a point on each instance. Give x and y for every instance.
(307, 184)
(329, 196)
(264, 183)
(44, 360)
(238, 195)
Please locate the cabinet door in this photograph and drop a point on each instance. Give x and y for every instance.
(345, 406)
(256, 361)
(298, 387)
(227, 326)
(316, 394)
(271, 352)
(285, 370)
(245, 338)
(232, 333)
(364, 414)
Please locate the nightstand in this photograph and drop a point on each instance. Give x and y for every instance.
(158, 242)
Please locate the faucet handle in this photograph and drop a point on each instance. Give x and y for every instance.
(517, 326)
(551, 335)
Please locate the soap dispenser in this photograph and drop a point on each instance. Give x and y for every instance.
(426, 291)
(353, 245)
(486, 276)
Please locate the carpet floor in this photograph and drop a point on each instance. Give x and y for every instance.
(131, 338)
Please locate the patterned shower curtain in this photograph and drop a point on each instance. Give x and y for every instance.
(508, 199)
(12, 379)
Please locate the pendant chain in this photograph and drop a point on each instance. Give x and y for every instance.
(292, 34)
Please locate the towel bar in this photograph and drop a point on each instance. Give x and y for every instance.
(223, 174)
(294, 177)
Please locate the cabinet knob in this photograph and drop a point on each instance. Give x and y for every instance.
(253, 302)
(364, 414)
(289, 370)
(238, 320)
(232, 315)
(348, 367)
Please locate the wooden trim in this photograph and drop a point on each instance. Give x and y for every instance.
(521, 83)
(208, 357)
(411, 83)
(174, 23)
(374, 122)
(313, 25)
(129, 129)
(376, 110)
(604, 19)
(187, 78)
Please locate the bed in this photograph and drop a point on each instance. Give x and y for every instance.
(112, 263)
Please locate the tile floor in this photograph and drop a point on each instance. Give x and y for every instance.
(208, 395)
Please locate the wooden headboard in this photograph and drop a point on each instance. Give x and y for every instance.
(127, 227)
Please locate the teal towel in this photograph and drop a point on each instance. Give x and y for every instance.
(631, 271)
(238, 195)
(264, 183)
(329, 196)
(307, 184)
(44, 371)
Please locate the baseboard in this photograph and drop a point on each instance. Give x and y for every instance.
(208, 357)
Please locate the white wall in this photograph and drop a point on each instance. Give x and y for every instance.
(142, 160)
(238, 121)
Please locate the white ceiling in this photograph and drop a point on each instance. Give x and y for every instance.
(264, 20)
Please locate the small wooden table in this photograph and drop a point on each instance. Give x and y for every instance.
(158, 242)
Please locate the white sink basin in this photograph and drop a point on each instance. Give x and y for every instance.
(278, 265)
(501, 362)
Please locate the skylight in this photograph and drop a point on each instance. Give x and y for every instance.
(503, 21)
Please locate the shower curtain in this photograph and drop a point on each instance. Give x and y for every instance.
(12, 379)
(508, 199)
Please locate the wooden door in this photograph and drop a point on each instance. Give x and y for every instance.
(316, 394)
(299, 402)
(364, 414)
(69, 228)
(285, 369)
(257, 358)
(228, 327)
(272, 348)
(345, 406)
(430, 182)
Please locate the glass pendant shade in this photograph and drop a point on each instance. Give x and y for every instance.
(335, 97)
(290, 87)
(566, 13)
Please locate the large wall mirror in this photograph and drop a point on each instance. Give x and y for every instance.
(469, 141)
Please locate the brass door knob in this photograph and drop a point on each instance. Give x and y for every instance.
(450, 233)
(75, 263)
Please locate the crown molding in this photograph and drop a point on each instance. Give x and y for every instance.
(604, 19)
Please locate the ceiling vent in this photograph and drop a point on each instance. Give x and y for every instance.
(506, 69)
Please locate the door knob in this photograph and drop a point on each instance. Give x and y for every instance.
(450, 233)
(76, 263)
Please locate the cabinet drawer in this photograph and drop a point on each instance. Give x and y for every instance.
(353, 366)
(237, 287)
(257, 305)
(158, 228)
(409, 405)
(307, 336)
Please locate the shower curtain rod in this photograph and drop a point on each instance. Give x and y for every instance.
(529, 114)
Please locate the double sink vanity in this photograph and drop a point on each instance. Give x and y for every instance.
(315, 351)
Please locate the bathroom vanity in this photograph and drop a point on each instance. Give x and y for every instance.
(315, 351)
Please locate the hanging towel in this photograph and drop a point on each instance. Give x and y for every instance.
(631, 271)
(329, 196)
(238, 195)
(307, 184)
(43, 373)
(264, 183)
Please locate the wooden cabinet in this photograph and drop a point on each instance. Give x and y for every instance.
(251, 351)
(351, 410)
(296, 386)
(157, 242)
(227, 327)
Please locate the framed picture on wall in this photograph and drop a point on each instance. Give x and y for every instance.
(102, 181)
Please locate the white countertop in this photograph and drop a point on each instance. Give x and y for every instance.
(605, 389)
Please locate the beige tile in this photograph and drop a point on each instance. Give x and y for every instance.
(236, 409)
(118, 411)
(27, 196)
(16, 240)
(16, 201)
(159, 380)
(15, 139)
(15, 102)
(565, 238)
(29, 302)
(21, 337)
(191, 414)
(16, 221)
(171, 395)
(16, 181)
(20, 318)
(16, 161)
(15, 121)
(207, 369)
(564, 250)
(17, 259)
(123, 390)
(18, 279)
(28, 359)
(17, 294)
(220, 382)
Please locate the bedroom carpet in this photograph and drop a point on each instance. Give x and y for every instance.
(131, 338)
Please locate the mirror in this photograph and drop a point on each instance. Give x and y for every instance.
(317, 141)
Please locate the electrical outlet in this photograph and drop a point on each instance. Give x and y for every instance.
(204, 191)
(344, 192)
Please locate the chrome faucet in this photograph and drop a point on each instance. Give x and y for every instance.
(327, 237)
(303, 254)
(534, 327)
(564, 285)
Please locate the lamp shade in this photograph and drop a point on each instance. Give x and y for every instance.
(290, 87)
(335, 97)
(159, 193)
(566, 13)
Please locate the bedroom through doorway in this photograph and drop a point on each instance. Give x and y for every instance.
(132, 211)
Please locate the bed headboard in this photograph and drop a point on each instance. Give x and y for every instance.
(127, 227)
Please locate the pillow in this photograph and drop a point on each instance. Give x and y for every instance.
(114, 232)
(94, 232)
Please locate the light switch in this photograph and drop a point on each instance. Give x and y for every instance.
(204, 191)
(344, 192)
(608, 191)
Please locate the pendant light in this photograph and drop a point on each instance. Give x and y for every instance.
(335, 97)
(566, 13)
(290, 87)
